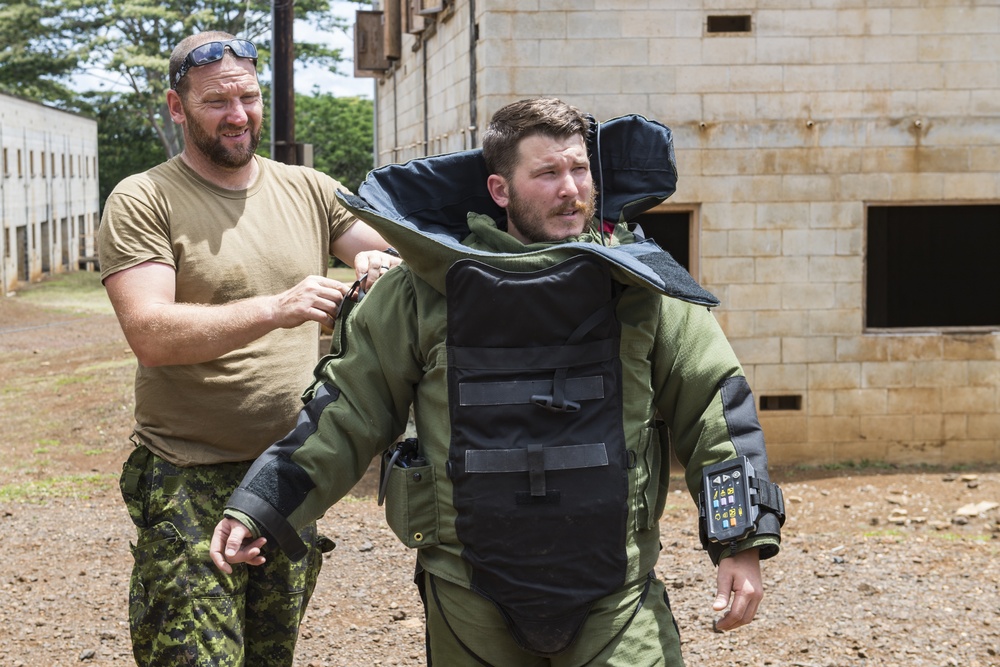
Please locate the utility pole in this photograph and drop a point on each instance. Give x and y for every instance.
(283, 148)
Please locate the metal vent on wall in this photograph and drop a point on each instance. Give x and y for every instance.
(730, 23)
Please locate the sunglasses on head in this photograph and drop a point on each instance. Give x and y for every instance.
(212, 52)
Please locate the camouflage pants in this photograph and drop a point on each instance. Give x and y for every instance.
(182, 610)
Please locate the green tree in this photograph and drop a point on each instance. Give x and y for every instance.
(45, 42)
(125, 143)
(34, 58)
(341, 132)
(133, 39)
(339, 129)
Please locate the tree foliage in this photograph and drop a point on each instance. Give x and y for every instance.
(34, 58)
(135, 38)
(45, 41)
(341, 132)
(125, 143)
(340, 129)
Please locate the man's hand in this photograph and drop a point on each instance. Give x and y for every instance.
(738, 579)
(316, 298)
(231, 543)
(371, 265)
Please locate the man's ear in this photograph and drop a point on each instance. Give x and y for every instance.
(499, 190)
(175, 107)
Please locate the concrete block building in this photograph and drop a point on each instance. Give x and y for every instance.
(839, 184)
(49, 198)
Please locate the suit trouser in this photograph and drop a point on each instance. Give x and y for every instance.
(183, 611)
(464, 628)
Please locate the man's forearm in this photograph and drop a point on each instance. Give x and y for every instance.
(182, 333)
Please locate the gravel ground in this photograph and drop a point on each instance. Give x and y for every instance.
(857, 582)
(879, 566)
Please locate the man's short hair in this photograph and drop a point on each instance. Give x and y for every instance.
(185, 47)
(547, 116)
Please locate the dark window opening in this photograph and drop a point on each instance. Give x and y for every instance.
(933, 266)
(790, 402)
(739, 23)
(672, 232)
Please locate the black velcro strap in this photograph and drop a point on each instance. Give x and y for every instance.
(269, 520)
(536, 470)
(770, 497)
(520, 392)
(545, 357)
(568, 457)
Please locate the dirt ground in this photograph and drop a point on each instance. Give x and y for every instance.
(879, 565)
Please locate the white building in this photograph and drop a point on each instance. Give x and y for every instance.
(49, 199)
(839, 183)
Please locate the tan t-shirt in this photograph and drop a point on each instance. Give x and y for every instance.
(224, 245)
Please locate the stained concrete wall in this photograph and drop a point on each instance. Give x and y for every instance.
(49, 199)
(784, 136)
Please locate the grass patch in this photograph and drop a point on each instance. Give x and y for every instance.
(901, 536)
(873, 467)
(75, 292)
(897, 534)
(112, 365)
(72, 379)
(864, 464)
(81, 487)
(343, 274)
(955, 537)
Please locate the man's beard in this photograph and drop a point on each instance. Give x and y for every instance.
(212, 147)
(531, 224)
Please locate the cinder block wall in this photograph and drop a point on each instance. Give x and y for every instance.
(784, 135)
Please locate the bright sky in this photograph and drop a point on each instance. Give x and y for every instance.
(305, 78)
(339, 85)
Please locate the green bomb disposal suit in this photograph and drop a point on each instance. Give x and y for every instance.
(544, 379)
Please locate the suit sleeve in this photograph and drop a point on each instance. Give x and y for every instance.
(358, 404)
(702, 394)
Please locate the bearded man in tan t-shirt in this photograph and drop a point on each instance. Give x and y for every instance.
(215, 262)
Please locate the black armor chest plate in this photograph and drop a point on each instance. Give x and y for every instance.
(537, 454)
